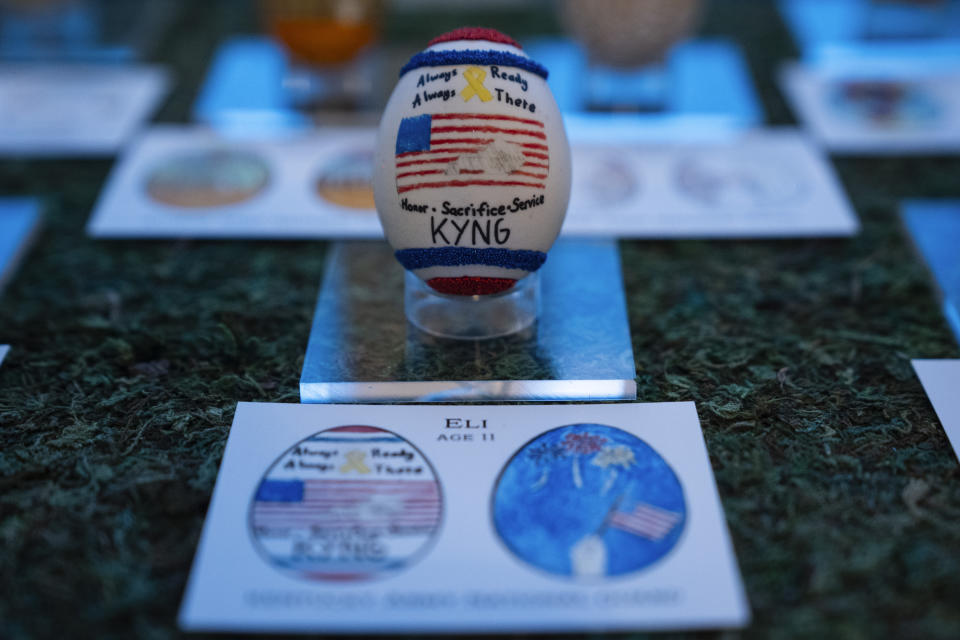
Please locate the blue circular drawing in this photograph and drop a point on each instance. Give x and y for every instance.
(587, 501)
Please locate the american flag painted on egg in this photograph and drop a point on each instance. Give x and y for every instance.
(472, 174)
(471, 150)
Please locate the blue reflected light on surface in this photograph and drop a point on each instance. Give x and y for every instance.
(700, 78)
(815, 23)
(18, 219)
(934, 226)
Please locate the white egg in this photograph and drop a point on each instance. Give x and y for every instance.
(472, 167)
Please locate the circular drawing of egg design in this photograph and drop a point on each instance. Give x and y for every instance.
(589, 501)
(472, 167)
(348, 503)
(734, 180)
(210, 178)
(346, 180)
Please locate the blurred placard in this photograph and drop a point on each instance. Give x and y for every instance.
(641, 182)
(192, 181)
(413, 519)
(74, 109)
(878, 104)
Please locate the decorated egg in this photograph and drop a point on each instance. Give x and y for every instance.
(472, 167)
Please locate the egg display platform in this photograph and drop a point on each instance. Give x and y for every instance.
(579, 348)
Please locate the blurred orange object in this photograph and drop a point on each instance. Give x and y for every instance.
(323, 32)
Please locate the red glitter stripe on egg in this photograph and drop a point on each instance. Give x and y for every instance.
(470, 286)
(475, 33)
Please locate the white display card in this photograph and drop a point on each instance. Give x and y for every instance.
(941, 381)
(4, 350)
(756, 183)
(910, 107)
(190, 181)
(75, 109)
(347, 518)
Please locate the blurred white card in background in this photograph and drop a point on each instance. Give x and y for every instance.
(406, 519)
(4, 350)
(191, 181)
(878, 105)
(75, 109)
(941, 381)
(755, 183)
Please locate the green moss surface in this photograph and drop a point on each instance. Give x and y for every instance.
(838, 483)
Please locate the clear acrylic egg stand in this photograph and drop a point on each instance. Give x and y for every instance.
(362, 347)
(471, 317)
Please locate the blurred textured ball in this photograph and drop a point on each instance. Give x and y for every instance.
(630, 33)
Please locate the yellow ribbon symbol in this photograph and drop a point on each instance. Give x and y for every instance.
(355, 461)
(474, 77)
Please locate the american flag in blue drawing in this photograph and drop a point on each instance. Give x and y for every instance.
(471, 149)
(646, 521)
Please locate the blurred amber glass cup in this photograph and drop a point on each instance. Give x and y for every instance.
(323, 32)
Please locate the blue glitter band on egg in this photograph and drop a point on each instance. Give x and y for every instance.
(473, 56)
(525, 259)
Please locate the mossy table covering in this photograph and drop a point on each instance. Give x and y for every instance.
(838, 483)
